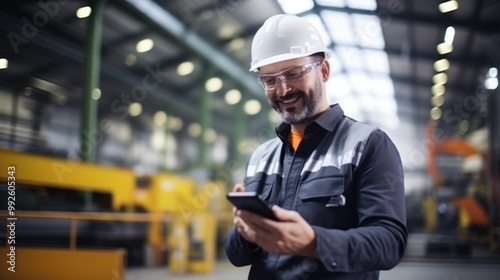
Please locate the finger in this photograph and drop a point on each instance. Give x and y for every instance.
(285, 215)
(238, 188)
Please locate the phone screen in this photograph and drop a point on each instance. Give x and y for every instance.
(250, 201)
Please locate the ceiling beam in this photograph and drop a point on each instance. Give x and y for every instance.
(187, 37)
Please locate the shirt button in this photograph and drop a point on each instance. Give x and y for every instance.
(334, 264)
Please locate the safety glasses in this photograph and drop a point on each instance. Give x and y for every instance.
(289, 76)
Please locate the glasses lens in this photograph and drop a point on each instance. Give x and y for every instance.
(288, 76)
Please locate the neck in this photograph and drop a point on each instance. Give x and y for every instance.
(301, 127)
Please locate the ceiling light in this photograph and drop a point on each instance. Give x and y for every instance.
(252, 107)
(83, 12)
(160, 118)
(491, 83)
(440, 79)
(4, 63)
(369, 5)
(449, 35)
(444, 48)
(213, 84)
(435, 113)
(210, 135)
(194, 130)
(437, 100)
(236, 44)
(232, 96)
(174, 124)
(185, 68)
(441, 65)
(135, 109)
(448, 6)
(96, 94)
(130, 59)
(158, 140)
(493, 72)
(226, 31)
(144, 45)
(438, 89)
(296, 7)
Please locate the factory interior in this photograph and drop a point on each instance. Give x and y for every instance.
(124, 124)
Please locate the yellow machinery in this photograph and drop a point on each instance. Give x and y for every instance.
(58, 184)
(57, 173)
(191, 237)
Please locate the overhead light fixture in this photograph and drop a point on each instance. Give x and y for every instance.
(185, 68)
(213, 84)
(440, 78)
(296, 7)
(194, 130)
(144, 45)
(83, 12)
(232, 96)
(4, 63)
(130, 59)
(210, 135)
(444, 48)
(491, 81)
(438, 89)
(448, 6)
(252, 107)
(160, 118)
(135, 109)
(435, 113)
(175, 124)
(449, 35)
(96, 94)
(441, 65)
(437, 100)
(236, 44)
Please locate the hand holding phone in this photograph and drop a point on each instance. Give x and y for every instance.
(250, 201)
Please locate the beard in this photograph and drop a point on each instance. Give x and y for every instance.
(309, 106)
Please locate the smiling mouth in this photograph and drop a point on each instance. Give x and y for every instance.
(290, 100)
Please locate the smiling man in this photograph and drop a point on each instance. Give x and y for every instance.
(334, 184)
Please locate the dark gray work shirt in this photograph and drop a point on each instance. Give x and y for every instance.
(346, 180)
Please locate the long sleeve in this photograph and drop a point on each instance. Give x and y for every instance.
(379, 240)
(239, 251)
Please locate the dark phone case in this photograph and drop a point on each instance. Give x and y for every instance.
(250, 201)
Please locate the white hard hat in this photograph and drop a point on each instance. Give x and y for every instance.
(284, 37)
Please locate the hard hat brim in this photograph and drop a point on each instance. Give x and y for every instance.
(283, 57)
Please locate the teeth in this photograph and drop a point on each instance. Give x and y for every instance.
(289, 100)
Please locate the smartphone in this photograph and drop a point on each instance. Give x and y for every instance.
(250, 201)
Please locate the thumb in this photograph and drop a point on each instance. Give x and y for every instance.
(238, 188)
(283, 214)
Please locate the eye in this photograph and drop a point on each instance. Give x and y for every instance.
(293, 73)
(267, 80)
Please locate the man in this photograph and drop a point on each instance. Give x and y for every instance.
(336, 184)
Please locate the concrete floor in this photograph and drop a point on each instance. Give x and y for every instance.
(481, 265)
(404, 271)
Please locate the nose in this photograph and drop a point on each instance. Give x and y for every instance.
(281, 86)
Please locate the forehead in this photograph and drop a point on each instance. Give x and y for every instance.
(282, 65)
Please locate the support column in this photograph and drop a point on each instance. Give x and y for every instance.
(205, 119)
(88, 131)
(238, 134)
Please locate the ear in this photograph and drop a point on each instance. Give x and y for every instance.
(325, 70)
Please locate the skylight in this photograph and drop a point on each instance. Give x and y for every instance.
(296, 7)
(360, 73)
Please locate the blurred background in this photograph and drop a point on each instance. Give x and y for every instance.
(123, 124)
